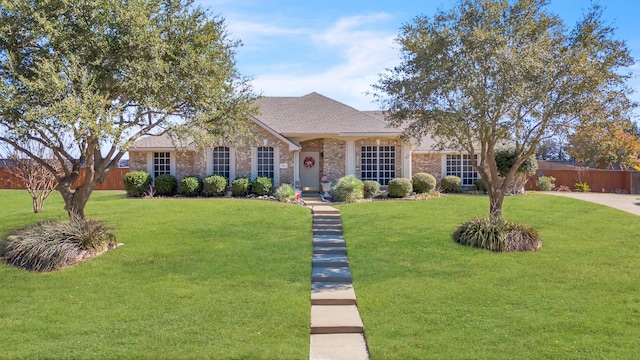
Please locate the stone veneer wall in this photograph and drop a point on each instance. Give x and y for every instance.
(334, 159)
(427, 163)
(137, 161)
(383, 142)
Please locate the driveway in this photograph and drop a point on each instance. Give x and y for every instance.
(628, 203)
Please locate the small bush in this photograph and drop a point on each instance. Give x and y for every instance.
(51, 246)
(423, 182)
(166, 185)
(505, 158)
(241, 186)
(215, 185)
(348, 189)
(370, 189)
(581, 187)
(190, 185)
(399, 188)
(136, 183)
(285, 192)
(546, 183)
(503, 236)
(451, 184)
(262, 186)
(480, 186)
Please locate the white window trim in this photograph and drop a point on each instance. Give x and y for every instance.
(232, 163)
(172, 163)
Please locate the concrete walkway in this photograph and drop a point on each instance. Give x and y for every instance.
(337, 332)
(628, 203)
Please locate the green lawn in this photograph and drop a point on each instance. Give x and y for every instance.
(423, 296)
(201, 278)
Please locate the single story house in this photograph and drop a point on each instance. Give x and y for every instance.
(298, 140)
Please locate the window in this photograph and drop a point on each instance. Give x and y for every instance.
(460, 166)
(221, 162)
(378, 163)
(265, 161)
(161, 164)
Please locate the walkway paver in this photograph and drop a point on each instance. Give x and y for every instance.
(336, 331)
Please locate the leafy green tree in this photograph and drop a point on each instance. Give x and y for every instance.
(603, 143)
(86, 78)
(494, 71)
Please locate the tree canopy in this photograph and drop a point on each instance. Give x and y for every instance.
(605, 143)
(489, 72)
(86, 78)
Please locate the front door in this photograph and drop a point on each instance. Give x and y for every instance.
(310, 170)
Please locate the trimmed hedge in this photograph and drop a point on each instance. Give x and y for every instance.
(136, 183)
(451, 184)
(399, 188)
(215, 185)
(166, 185)
(241, 186)
(423, 182)
(370, 188)
(262, 186)
(190, 185)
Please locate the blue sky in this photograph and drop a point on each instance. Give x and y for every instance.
(338, 48)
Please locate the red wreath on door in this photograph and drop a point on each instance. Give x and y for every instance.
(309, 162)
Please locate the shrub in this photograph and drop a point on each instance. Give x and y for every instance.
(51, 246)
(499, 237)
(348, 189)
(285, 192)
(423, 182)
(262, 186)
(241, 186)
(190, 185)
(451, 184)
(563, 188)
(370, 188)
(480, 186)
(399, 188)
(166, 185)
(136, 183)
(506, 157)
(215, 185)
(581, 187)
(546, 183)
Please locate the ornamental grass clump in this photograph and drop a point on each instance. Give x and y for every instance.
(285, 192)
(348, 189)
(500, 236)
(52, 246)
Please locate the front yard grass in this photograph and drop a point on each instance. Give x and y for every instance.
(421, 296)
(196, 278)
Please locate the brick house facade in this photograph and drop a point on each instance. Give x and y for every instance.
(300, 140)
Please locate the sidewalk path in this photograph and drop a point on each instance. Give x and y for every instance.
(628, 203)
(337, 332)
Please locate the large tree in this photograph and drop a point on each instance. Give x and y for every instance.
(605, 143)
(86, 78)
(490, 72)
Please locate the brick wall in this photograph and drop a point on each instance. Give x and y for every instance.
(427, 163)
(334, 158)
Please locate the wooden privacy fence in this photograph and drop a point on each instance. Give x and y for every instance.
(112, 182)
(611, 181)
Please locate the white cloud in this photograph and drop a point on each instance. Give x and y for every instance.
(362, 53)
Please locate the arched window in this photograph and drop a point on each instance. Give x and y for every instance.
(265, 161)
(221, 161)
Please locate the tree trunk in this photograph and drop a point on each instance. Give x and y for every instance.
(496, 198)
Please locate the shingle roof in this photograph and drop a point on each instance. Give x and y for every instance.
(316, 114)
(162, 141)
